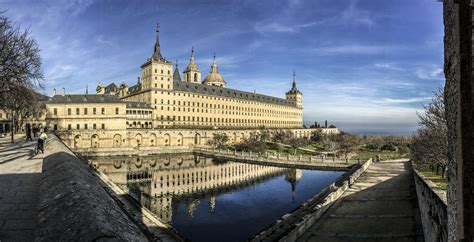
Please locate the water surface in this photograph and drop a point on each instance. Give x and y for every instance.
(210, 200)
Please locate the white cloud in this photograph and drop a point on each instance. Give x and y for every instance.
(388, 66)
(350, 15)
(357, 49)
(430, 73)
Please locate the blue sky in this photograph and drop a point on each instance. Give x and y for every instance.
(356, 61)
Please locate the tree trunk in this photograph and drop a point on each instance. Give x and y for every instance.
(13, 129)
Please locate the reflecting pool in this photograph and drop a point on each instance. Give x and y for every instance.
(206, 199)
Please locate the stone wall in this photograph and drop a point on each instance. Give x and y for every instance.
(73, 205)
(433, 208)
(291, 226)
(106, 140)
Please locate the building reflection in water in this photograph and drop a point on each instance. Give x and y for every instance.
(159, 181)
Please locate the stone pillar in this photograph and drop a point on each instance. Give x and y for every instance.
(459, 116)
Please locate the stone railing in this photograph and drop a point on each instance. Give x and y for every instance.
(433, 208)
(276, 158)
(291, 226)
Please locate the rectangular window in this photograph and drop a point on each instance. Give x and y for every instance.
(103, 126)
(69, 111)
(69, 127)
(94, 111)
(77, 111)
(85, 126)
(103, 111)
(94, 126)
(55, 111)
(117, 111)
(85, 111)
(78, 126)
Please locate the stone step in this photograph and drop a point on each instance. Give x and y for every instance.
(376, 227)
(374, 207)
(328, 238)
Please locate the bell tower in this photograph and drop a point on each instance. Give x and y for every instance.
(294, 95)
(157, 71)
(192, 72)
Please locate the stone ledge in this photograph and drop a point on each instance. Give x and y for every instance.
(433, 208)
(73, 206)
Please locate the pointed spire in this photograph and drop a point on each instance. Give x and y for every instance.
(87, 90)
(214, 64)
(294, 80)
(176, 76)
(157, 52)
(192, 55)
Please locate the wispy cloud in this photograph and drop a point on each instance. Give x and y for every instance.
(350, 49)
(388, 66)
(288, 23)
(430, 73)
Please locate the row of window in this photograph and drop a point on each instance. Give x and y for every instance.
(222, 120)
(85, 126)
(225, 99)
(85, 111)
(219, 106)
(260, 114)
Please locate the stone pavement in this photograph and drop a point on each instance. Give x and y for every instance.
(380, 206)
(20, 172)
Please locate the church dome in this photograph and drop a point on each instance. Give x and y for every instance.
(214, 78)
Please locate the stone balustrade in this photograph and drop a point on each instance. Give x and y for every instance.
(308, 161)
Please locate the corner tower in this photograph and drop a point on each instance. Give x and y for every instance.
(156, 71)
(192, 72)
(294, 95)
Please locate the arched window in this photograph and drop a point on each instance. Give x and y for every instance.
(195, 77)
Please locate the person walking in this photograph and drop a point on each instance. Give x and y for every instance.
(41, 140)
(28, 133)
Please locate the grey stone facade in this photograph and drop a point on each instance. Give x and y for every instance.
(459, 112)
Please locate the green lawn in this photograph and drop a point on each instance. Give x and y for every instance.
(384, 155)
(437, 179)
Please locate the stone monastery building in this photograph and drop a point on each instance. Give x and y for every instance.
(162, 99)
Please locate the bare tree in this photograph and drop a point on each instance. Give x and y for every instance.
(20, 61)
(20, 72)
(218, 140)
(429, 145)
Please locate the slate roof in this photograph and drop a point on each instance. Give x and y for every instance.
(227, 92)
(138, 105)
(176, 76)
(85, 98)
(111, 88)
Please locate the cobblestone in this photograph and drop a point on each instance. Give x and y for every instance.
(20, 171)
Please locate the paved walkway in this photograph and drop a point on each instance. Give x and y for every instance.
(380, 206)
(19, 184)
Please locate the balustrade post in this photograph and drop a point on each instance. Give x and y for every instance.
(334, 158)
(310, 158)
(299, 158)
(250, 153)
(235, 152)
(278, 155)
(242, 152)
(288, 157)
